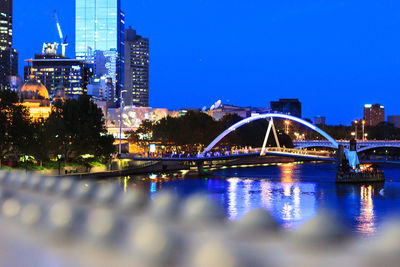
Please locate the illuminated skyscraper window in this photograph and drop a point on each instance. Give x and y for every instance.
(98, 26)
(5, 24)
(136, 69)
(100, 31)
(8, 55)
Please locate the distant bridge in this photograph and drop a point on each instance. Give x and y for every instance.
(361, 145)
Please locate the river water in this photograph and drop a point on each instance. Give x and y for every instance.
(292, 192)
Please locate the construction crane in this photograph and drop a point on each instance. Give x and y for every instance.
(63, 41)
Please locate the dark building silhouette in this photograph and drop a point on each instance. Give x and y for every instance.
(394, 119)
(5, 24)
(287, 106)
(374, 114)
(320, 120)
(136, 69)
(8, 55)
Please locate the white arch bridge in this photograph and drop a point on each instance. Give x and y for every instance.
(271, 128)
(298, 152)
(209, 155)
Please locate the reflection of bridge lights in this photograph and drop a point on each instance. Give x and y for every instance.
(153, 187)
(232, 197)
(247, 204)
(287, 190)
(266, 194)
(296, 203)
(126, 178)
(287, 172)
(367, 217)
(287, 212)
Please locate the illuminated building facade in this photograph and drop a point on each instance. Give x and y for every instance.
(8, 55)
(136, 69)
(56, 71)
(287, 106)
(374, 114)
(132, 117)
(99, 31)
(36, 99)
(101, 89)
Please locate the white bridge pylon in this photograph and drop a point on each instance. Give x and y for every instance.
(270, 126)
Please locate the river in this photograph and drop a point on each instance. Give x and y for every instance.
(292, 192)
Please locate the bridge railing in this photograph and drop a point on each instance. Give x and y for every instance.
(324, 154)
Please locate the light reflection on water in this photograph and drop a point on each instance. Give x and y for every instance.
(293, 193)
(366, 218)
(290, 203)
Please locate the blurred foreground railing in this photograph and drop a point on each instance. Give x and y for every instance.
(48, 221)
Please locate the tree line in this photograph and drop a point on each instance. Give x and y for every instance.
(382, 131)
(195, 130)
(74, 128)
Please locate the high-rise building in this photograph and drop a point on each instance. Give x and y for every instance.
(287, 106)
(374, 114)
(8, 55)
(99, 29)
(59, 73)
(5, 24)
(101, 89)
(8, 66)
(136, 69)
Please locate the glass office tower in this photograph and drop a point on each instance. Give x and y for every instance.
(99, 24)
(8, 55)
(100, 27)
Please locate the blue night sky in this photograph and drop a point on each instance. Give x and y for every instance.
(334, 56)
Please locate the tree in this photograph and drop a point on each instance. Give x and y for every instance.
(195, 130)
(143, 135)
(77, 127)
(38, 145)
(15, 125)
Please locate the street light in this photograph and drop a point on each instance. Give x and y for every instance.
(287, 126)
(59, 167)
(355, 123)
(353, 134)
(365, 136)
(26, 157)
(363, 126)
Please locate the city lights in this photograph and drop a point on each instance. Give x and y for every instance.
(95, 171)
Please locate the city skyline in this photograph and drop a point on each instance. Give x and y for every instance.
(251, 53)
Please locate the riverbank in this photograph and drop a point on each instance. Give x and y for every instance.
(174, 166)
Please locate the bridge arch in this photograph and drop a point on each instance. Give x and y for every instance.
(264, 116)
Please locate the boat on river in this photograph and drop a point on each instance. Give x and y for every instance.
(351, 171)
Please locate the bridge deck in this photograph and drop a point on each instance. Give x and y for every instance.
(282, 152)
